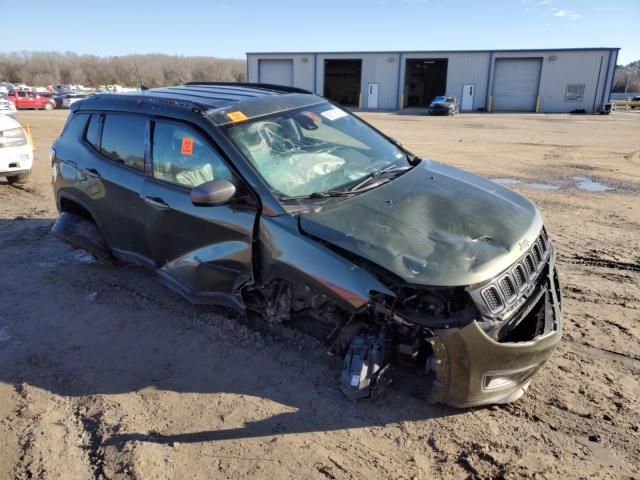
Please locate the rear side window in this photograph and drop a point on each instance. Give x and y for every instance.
(123, 139)
(180, 155)
(75, 126)
(93, 131)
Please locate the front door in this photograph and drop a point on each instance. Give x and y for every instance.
(468, 92)
(372, 96)
(202, 251)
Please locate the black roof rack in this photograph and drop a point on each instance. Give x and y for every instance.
(202, 95)
(261, 86)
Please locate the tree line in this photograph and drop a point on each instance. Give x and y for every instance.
(156, 70)
(627, 77)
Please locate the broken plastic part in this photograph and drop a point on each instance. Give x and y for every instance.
(366, 366)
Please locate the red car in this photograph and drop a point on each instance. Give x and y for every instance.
(25, 99)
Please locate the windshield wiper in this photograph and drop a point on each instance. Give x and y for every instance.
(368, 179)
(314, 195)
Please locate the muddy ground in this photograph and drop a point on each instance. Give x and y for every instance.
(104, 373)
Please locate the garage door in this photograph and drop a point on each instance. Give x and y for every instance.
(276, 72)
(515, 84)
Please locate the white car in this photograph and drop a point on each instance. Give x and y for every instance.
(7, 108)
(16, 151)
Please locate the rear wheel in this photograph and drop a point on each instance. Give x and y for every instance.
(18, 179)
(48, 106)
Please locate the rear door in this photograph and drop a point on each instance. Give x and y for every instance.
(120, 141)
(202, 251)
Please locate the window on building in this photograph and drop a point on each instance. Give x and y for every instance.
(123, 139)
(574, 93)
(180, 155)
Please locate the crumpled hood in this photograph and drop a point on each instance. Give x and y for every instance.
(435, 225)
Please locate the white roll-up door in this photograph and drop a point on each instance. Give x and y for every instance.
(515, 84)
(276, 72)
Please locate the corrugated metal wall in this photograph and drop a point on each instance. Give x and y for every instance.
(591, 68)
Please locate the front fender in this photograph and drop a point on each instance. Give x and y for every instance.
(286, 254)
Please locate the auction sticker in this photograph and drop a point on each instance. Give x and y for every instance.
(334, 114)
(187, 146)
(236, 116)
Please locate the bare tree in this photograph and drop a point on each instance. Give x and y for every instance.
(44, 68)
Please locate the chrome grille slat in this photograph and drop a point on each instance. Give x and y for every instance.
(492, 298)
(502, 295)
(507, 285)
(520, 276)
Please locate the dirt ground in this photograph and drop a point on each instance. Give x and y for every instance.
(104, 373)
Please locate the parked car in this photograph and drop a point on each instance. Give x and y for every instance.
(7, 107)
(277, 202)
(444, 105)
(28, 99)
(16, 151)
(70, 99)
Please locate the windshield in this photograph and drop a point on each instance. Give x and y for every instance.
(440, 100)
(313, 149)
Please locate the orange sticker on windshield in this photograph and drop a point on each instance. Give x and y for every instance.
(236, 116)
(187, 146)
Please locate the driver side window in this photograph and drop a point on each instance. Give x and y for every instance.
(181, 156)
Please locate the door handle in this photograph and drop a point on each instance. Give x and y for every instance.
(156, 202)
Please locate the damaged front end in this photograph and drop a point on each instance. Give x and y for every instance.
(477, 345)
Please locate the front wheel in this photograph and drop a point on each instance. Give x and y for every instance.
(48, 106)
(19, 179)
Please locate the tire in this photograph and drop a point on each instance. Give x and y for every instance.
(48, 106)
(19, 179)
(82, 233)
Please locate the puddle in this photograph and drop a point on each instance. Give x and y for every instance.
(584, 183)
(581, 183)
(536, 185)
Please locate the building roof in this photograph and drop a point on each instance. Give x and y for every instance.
(391, 52)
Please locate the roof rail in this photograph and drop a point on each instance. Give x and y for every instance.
(262, 86)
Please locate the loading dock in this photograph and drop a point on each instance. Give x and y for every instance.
(276, 72)
(516, 83)
(425, 78)
(342, 81)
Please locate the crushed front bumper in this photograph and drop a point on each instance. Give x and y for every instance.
(473, 369)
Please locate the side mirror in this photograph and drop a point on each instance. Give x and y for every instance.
(213, 192)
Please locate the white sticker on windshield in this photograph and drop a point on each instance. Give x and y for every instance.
(334, 114)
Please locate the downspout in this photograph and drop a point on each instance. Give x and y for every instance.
(489, 98)
(595, 94)
(606, 81)
(247, 69)
(315, 72)
(613, 73)
(398, 95)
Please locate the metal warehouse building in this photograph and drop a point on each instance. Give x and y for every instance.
(556, 80)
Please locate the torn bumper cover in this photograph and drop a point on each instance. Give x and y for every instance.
(471, 368)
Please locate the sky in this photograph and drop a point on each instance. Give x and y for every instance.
(230, 28)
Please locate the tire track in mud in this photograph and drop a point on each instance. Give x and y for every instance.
(25, 467)
(596, 261)
(93, 444)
